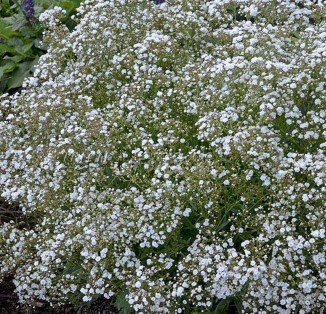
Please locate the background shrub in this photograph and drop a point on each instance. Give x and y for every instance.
(20, 38)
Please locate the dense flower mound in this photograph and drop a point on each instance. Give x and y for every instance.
(174, 153)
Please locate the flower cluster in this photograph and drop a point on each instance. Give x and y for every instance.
(175, 152)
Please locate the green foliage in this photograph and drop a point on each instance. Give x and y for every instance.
(121, 303)
(21, 40)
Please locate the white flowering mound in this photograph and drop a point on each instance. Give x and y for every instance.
(175, 153)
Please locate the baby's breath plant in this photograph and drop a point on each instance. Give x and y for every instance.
(172, 155)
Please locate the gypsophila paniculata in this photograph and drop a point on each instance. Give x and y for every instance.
(173, 151)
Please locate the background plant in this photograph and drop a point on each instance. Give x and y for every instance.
(21, 36)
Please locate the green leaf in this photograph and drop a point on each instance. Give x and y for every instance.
(193, 205)
(121, 304)
(222, 307)
(16, 59)
(222, 225)
(232, 8)
(8, 67)
(15, 42)
(108, 172)
(3, 83)
(31, 32)
(5, 49)
(6, 32)
(5, 5)
(38, 44)
(68, 6)
(27, 47)
(16, 21)
(21, 47)
(238, 304)
(23, 70)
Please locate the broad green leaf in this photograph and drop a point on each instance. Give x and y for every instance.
(38, 44)
(30, 32)
(16, 21)
(27, 47)
(18, 76)
(3, 83)
(21, 47)
(15, 42)
(121, 304)
(5, 5)
(16, 59)
(8, 67)
(6, 32)
(222, 307)
(5, 48)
